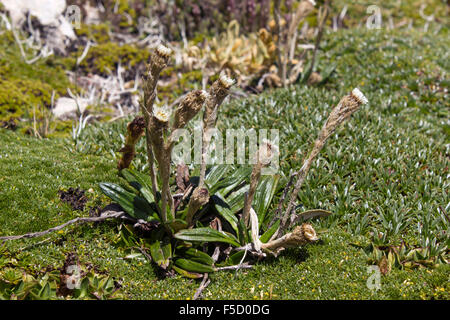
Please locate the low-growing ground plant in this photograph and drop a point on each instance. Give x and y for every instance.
(213, 217)
(216, 220)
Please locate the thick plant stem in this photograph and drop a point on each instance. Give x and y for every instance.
(155, 121)
(345, 108)
(151, 164)
(217, 93)
(263, 158)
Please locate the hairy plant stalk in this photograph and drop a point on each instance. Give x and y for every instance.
(300, 236)
(135, 130)
(263, 158)
(155, 127)
(158, 62)
(217, 93)
(158, 127)
(191, 104)
(345, 108)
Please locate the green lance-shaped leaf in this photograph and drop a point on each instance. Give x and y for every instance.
(194, 255)
(269, 233)
(193, 266)
(161, 253)
(243, 233)
(187, 274)
(263, 196)
(310, 214)
(140, 182)
(225, 211)
(215, 174)
(236, 199)
(135, 206)
(230, 182)
(206, 235)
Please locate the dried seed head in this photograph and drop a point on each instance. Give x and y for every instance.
(162, 113)
(301, 235)
(225, 80)
(217, 93)
(312, 2)
(158, 61)
(358, 95)
(136, 128)
(163, 51)
(189, 107)
(345, 108)
(309, 232)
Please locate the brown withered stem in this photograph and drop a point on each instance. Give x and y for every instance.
(135, 130)
(158, 128)
(216, 94)
(191, 104)
(263, 157)
(158, 61)
(345, 108)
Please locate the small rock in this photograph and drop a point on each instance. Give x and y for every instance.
(67, 107)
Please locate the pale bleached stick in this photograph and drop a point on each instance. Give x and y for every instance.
(106, 215)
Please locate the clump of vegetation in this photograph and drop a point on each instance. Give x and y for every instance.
(212, 208)
(266, 58)
(103, 59)
(175, 225)
(392, 196)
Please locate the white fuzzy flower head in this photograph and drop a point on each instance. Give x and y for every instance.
(163, 51)
(162, 113)
(359, 96)
(312, 2)
(225, 80)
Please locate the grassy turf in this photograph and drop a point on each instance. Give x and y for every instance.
(386, 171)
